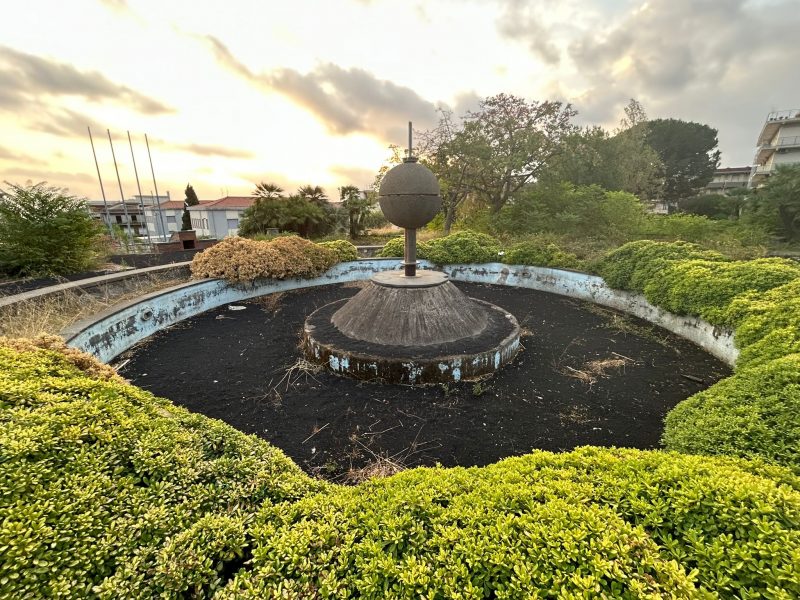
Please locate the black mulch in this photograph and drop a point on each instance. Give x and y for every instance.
(236, 365)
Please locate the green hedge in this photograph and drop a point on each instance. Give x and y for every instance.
(543, 254)
(107, 491)
(457, 248)
(345, 251)
(756, 413)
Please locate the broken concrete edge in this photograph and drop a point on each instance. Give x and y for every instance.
(111, 332)
(90, 283)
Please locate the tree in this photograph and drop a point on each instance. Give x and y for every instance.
(46, 231)
(271, 210)
(445, 151)
(510, 142)
(191, 196)
(190, 199)
(688, 153)
(269, 191)
(314, 193)
(779, 201)
(620, 161)
(357, 206)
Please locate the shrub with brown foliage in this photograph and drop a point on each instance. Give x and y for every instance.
(241, 259)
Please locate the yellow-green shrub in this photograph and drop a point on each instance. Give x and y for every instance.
(241, 259)
(706, 288)
(541, 254)
(345, 251)
(755, 413)
(107, 491)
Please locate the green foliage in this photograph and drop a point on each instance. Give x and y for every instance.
(713, 206)
(541, 253)
(110, 492)
(779, 201)
(344, 250)
(395, 247)
(767, 324)
(295, 214)
(564, 209)
(752, 414)
(45, 231)
(357, 207)
(634, 265)
(688, 152)
(705, 288)
(461, 247)
(191, 198)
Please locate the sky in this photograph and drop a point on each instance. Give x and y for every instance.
(313, 91)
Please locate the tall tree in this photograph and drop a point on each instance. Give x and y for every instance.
(688, 152)
(445, 151)
(357, 206)
(510, 142)
(191, 198)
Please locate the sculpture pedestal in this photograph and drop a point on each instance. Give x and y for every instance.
(414, 330)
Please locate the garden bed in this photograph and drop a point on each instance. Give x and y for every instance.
(587, 375)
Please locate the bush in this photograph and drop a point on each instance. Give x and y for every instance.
(108, 491)
(461, 247)
(633, 265)
(395, 247)
(752, 414)
(542, 254)
(240, 259)
(101, 484)
(705, 288)
(344, 250)
(44, 231)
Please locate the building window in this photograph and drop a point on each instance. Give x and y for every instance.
(171, 220)
(205, 223)
(119, 218)
(233, 223)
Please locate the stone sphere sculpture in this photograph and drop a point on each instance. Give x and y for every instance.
(409, 195)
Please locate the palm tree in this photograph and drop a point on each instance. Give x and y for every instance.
(314, 193)
(268, 191)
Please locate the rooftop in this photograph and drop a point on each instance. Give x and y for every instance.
(226, 203)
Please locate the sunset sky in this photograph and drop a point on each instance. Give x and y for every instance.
(299, 91)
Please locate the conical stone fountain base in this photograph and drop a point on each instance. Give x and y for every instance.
(420, 329)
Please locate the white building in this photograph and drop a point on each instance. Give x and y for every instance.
(727, 179)
(778, 144)
(219, 218)
(131, 216)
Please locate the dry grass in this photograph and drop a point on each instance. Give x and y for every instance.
(271, 303)
(380, 466)
(593, 370)
(52, 314)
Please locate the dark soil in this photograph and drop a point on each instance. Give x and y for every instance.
(237, 366)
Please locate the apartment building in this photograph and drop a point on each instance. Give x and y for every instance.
(727, 179)
(219, 218)
(778, 144)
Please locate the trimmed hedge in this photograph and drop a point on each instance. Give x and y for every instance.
(107, 491)
(755, 413)
(99, 479)
(457, 248)
(541, 254)
(345, 251)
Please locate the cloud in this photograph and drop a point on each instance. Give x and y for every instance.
(722, 62)
(211, 150)
(15, 156)
(345, 100)
(64, 122)
(20, 175)
(522, 22)
(353, 175)
(25, 77)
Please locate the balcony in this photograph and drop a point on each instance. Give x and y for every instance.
(775, 120)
